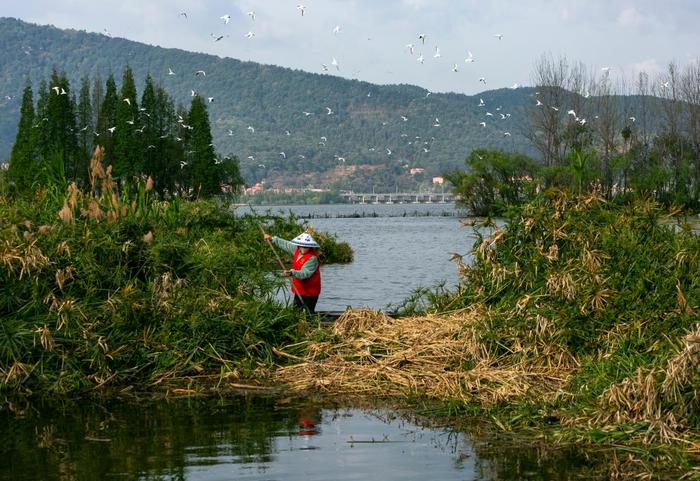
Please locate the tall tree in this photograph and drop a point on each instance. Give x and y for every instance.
(22, 162)
(205, 174)
(59, 143)
(85, 124)
(106, 120)
(126, 145)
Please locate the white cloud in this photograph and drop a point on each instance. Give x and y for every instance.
(630, 18)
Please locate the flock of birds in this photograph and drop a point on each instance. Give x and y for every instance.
(414, 49)
(424, 145)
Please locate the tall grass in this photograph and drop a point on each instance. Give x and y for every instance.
(114, 287)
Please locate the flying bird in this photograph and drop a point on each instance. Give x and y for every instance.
(249, 35)
(170, 71)
(111, 130)
(410, 47)
(283, 155)
(226, 18)
(251, 14)
(330, 111)
(420, 58)
(437, 52)
(334, 62)
(336, 30)
(482, 79)
(422, 37)
(127, 101)
(470, 58)
(210, 99)
(499, 36)
(301, 8)
(252, 130)
(200, 72)
(455, 68)
(230, 133)
(481, 102)
(483, 124)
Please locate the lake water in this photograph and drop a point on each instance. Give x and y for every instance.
(257, 439)
(398, 248)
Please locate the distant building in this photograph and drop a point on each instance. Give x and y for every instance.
(416, 170)
(438, 180)
(256, 188)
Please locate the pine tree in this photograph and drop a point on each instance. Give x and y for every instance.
(22, 167)
(98, 92)
(149, 138)
(58, 144)
(204, 171)
(85, 126)
(106, 121)
(126, 148)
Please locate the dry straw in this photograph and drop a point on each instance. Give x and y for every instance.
(440, 356)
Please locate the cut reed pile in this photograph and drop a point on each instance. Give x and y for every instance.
(439, 356)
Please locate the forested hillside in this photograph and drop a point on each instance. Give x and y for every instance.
(287, 127)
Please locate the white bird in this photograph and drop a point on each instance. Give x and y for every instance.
(216, 39)
(482, 79)
(455, 68)
(307, 113)
(539, 103)
(324, 67)
(130, 122)
(483, 124)
(436, 122)
(410, 47)
(230, 133)
(404, 118)
(249, 35)
(582, 121)
(665, 85)
(470, 58)
(261, 165)
(251, 14)
(572, 112)
(287, 132)
(200, 72)
(437, 52)
(334, 62)
(111, 130)
(388, 151)
(556, 109)
(252, 130)
(503, 117)
(226, 18)
(422, 37)
(183, 14)
(481, 102)
(499, 36)
(210, 99)
(193, 93)
(127, 101)
(182, 164)
(251, 157)
(336, 30)
(420, 58)
(283, 155)
(170, 71)
(330, 111)
(633, 119)
(56, 89)
(301, 8)
(489, 114)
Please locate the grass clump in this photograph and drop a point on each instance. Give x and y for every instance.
(121, 289)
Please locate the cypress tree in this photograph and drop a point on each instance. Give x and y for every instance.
(126, 148)
(149, 138)
(204, 174)
(22, 162)
(85, 126)
(106, 120)
(59, 143)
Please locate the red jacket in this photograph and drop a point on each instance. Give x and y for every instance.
(311, 286)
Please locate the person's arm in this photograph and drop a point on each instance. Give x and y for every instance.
(307, 269)
(283, 244)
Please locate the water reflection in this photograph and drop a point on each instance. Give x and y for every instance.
(254, 438)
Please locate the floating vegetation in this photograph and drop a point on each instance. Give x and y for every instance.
(116, 288)
(576, 313)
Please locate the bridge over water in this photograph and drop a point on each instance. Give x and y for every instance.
(398, 198)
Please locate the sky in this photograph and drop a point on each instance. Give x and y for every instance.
(369, 38)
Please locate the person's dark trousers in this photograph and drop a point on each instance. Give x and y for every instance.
(309, 304)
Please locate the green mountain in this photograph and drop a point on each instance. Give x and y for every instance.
(287, 127)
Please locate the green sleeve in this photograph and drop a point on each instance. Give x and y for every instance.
(284, 244)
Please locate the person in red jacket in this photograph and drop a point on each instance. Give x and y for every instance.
(305, 271)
